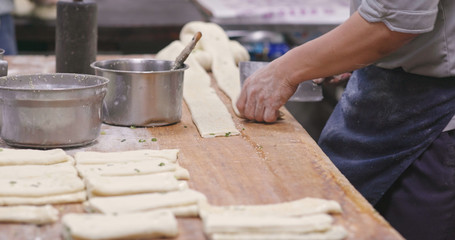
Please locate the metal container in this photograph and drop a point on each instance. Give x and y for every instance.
(51, 110)
(3, 72)
(141, 92)
(3, 64)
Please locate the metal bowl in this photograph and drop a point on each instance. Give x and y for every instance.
(51, 110)
(141, 92)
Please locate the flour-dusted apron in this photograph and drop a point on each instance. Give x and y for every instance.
(383, 122)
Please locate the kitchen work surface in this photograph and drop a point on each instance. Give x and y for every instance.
(266, 163)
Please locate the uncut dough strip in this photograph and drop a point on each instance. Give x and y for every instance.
(133, 168)
(52, 199)
(89, 157)
(208, 112)
(266, 224)
(50, 184)
(31, 157)
(113, 186)
(217, 43)
(29, 214)
(334, 233)
(144, 202)
(304, 206)
(123, 226)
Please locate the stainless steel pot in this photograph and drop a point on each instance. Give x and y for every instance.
(3, 64)
(51, 110)
(3, 72)
(141, 92)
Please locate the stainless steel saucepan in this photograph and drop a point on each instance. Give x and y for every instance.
(51, 110)
(141, 92)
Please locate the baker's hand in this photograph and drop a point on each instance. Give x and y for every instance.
(263, 93)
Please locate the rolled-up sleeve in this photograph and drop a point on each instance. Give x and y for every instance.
(407, 16)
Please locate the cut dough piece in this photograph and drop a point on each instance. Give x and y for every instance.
(144, 202)
(181, 173)
(300, 207)
(334, 233)
(30, 171)
(217, 223)
(133, 168)
(208, 112)
(31, 157)
(46, 185)
(52, 199)
(154, 224)
(29, 214)
(113, 186)
(185, 211)
(126, 156)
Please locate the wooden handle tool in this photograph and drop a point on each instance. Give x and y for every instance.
(186, 51)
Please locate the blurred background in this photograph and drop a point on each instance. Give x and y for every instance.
(267, 28)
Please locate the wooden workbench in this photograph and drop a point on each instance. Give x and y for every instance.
(267, 163)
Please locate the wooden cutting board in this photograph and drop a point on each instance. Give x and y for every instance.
(267, 163)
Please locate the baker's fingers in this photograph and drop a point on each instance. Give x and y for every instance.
(250, 108)
(271, 115)
(318, 81)
(259, 113)
(240, 104)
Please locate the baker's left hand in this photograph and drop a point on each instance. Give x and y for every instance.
(264, 92)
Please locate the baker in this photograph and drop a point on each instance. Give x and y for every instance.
(390, 133)
(7, 27)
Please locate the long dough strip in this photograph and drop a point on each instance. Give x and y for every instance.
(217, 43)
(208, 112)
(123, 226)
(334, 233)
(217, 223)
(300, 207)
(31, 157)
(29, 214)
(89, 157)
(144, 202)
(113, 186)
(52, 199)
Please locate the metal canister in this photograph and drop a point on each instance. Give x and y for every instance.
(76, 36)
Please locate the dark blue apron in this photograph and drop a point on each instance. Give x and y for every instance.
(383, 122)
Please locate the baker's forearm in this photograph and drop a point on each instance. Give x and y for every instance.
(352, 45)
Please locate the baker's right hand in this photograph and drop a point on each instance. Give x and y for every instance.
(264, 92)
